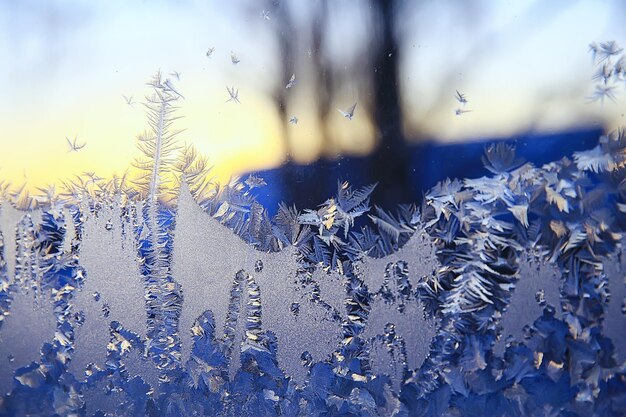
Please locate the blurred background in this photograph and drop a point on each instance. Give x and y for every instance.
(524, 67)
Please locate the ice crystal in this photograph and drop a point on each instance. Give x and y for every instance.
(615, 318)
(419, 253)
(499, 295)
(500, 158)
(398, 333)
(113, 287)
(329, 289)
(30, 323)
(609, 70)
(9, 218)
(538, 285)
(209, 281)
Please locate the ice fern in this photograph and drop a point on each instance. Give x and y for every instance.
(158, 146)
(344, 309)
(602, 158)
(333, 216)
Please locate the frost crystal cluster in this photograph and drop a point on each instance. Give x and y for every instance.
(168, 295)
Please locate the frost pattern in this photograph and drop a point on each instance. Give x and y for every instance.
(9, 217)
(538, 286)
(615, 318)
(418, 253)
(188, 299)
(30, 323)
(398, 330)
(209, 307)
(215, 269)
(113, 287)
(328, 289)
(70, 238)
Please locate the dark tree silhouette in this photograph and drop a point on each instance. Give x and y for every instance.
(287, 42)
(323, 73)
(390, 161)
(378, 67)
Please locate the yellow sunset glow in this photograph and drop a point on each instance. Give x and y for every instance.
(67, 64)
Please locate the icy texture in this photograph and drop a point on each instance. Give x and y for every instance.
(137, 364)
(538, 285)
(206, 306)
(207, 259)
(398, 330)
(332, 291)
(102, 398)
(70, 231)
(615, 319)
(9, 218)
(29, 324)
(26, 261)
(313, 328)
(404, 336)
(113, 287)
(419, 254)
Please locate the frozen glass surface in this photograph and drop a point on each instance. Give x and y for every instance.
(207, 305)
(537, 286)
(29, 324)
(313, 208)
(615, 318)
(113, 288)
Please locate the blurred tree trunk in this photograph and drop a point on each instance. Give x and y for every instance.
(390, 162)
(287, 41)
(323, 73)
